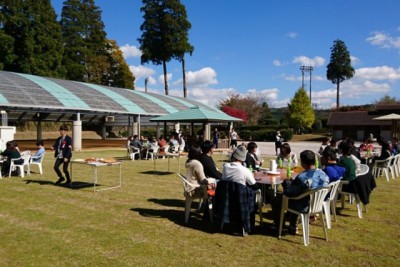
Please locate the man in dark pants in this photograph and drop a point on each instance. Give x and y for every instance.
(63, 153)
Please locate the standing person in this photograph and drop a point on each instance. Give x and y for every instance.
(278, 142)
(63, 154)
(215, 137)
(233, 135)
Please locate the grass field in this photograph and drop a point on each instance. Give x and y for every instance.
(142, 224)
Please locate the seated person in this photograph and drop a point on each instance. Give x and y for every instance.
(210, 169)
(394, 146)
(173, 144)
(355, 155)
(252, 159)
(347, 162)
(332, 169)
(162, 144)
(235, 196)
(41, 150)
(286, 154)
(311, 178)
(235, 171)
(11, 152)
(195, 172)
(367, 145)
(136, 144)
(325, 143)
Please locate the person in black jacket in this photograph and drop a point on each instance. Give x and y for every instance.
(210, 169)
(252, 159)
(63, 153)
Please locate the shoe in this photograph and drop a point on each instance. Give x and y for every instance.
(60, 180)
(68, 183)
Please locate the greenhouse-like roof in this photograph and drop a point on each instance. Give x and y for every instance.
(25, 96)
(196, 114)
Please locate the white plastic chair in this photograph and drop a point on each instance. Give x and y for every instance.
(317, 197)
(37, 161)
(152, 151)
(188, 189)
(329, 204)
(133, 151)
(395, 165)
(25, 163)
(383, 167)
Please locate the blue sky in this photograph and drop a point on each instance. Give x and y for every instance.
(256, 47)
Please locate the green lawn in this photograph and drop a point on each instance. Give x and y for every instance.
(142, 224)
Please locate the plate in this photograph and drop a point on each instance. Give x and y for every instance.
(271, 172)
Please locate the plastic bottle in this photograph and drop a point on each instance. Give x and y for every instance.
(316, 163)
(251, 169)
(288, 170)
(280, 163)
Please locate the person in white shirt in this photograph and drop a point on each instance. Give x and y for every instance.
(233, 135)
(235, 172)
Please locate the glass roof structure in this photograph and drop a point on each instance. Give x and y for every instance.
(29, 97)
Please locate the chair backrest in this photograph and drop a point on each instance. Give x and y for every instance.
(333, 187)
(317, 198)
(26, 152)
(38, 159)
(27, 159)
(364, 169)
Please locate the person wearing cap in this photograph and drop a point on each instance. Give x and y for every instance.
(235, 171)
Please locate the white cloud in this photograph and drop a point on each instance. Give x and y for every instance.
(277, 62)
(161, 78)
(141, 71)
(354, 60)
(130, 51)
(204, 77)
(384, 40)
(317, 61)
(207, 96)
(292, 35)
(378, 73)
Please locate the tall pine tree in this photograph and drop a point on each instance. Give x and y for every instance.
(164, 33)
(84, 41)
(30, 38)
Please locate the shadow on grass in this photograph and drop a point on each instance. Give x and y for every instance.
(76, 185)
(168, 202)
(156, 173)
(196, 220)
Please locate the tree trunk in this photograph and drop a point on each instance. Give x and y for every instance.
(337, 94)
(184, 77)
(165, 77)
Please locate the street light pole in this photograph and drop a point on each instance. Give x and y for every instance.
(306, 69)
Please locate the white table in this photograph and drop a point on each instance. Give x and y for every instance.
(95, 166)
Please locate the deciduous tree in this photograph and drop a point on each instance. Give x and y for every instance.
(300, 113)
(339, 67)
